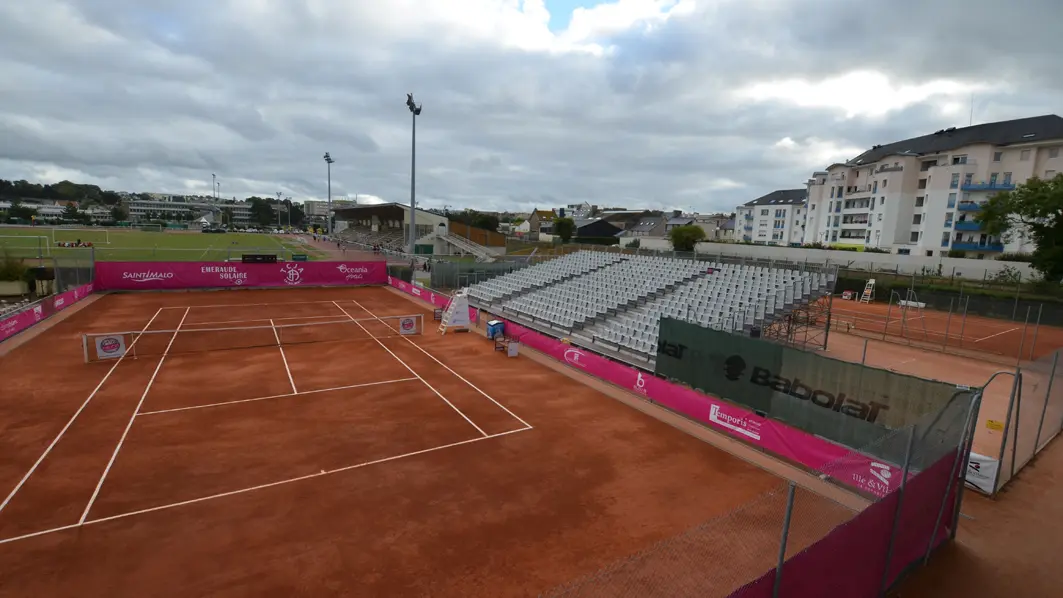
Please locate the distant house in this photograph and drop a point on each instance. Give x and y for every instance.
(596, 228)
(677, 221)
(647, 226)
(715, 227)
(541, 221)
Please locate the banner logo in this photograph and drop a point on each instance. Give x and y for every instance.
(640, 383)
(148, 276)
(293, 274)
(882, 472)
(110, 347)
(575, 357)
(408, 326)
(733, 367)
(38, 312)
(820, 398)
(739, 425)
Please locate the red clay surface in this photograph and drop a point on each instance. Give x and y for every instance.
(375, 465)
(937, 330)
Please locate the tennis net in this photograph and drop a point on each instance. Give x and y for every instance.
(152, 343)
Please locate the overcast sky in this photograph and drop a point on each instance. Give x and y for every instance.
(655, 103)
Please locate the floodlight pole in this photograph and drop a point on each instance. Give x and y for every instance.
(278, 209)
(328, 217)
(415, 110)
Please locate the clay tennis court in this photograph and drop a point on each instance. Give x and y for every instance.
(930, 328)
(288, 460)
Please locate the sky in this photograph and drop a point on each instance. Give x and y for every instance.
(660, 104)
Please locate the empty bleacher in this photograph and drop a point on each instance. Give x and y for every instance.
(599, 294)
(615, 301)
(562, 268)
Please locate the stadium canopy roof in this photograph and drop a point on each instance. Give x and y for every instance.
(386, 211)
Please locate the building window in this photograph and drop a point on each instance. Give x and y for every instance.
(992, 178)
(952, 200)
(904, 252)
(925, 166)
(997, 156)
(944, 239)
(834, 236)
(961, 159)
(880, 217)
(884, 184)
(954, 183)
(917, 219)
(1007, 178)
(914, 238)
(1053, 152)
(764, 212)
(919, 201)
(948, 220)
(967, 178)
(874, 187)
(922, 182)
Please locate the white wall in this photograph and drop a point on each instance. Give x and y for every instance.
(904, 264)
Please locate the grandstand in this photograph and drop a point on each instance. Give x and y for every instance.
(613, 302)
(388, 238)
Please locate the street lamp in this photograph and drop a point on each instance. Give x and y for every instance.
(415, 110)
(214, 186)
(288, 203)
(328, 222)
(278, 209)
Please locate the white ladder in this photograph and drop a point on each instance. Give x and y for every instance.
(869, 291)
(456, 314)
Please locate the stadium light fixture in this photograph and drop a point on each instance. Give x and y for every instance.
(415, 111)
(328, 219)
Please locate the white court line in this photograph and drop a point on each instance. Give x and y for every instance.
(261, 320)
(290, 394)
(129, 425)
(405, 365)
(997, 334)
(254, 304)
(204, 254)
(260, 486)
(70, 422)
(277, 336)
(460, 377)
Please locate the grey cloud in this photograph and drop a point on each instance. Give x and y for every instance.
(183, 89)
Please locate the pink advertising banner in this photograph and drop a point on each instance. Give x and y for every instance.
(843, 464)
(136, 276)
(437, 299)
(12, 325)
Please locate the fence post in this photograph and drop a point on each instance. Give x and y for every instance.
(1036, 327)
(1048, 396)
(897, 512)
(790, 491)
(959, 460)
(948, 321)
(968, 447)
(963, 322)
(889, 310)
(1022, 341)
(1007, 427)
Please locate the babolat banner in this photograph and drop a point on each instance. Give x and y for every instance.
(845, 402)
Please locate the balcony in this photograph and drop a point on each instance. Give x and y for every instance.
(984, 186)
(968, 225)
(970, 206)
(747, 227)
(977, 246)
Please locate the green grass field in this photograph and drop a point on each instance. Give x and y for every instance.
(113, 245)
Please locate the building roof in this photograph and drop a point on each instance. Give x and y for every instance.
(544, 214)
(729, 225)
(680, 221)
(1007, 132)
(647, 224)
(780, 197)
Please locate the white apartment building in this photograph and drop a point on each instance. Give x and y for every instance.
(319, 209)
(175, 207)
(778, 218)
(920, 196)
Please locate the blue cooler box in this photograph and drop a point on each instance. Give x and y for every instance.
(495, 328)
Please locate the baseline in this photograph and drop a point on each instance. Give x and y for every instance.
(125, 433)
(7, 500)
(259, 487)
